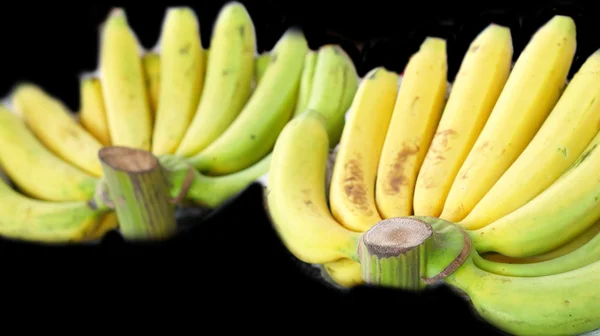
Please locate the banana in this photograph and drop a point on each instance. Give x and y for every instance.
(28, 219)
(480, 79)
(295, 194)
(253, 133)
(532, 89)
(109, 222)
(228, 82)
(569, 247)
(569, 128)
(54, 125)
(584, 255)
(345, 272)
(34, 169)
(123, 80)
(557, 215)
(560, 304)
(181, 79)
(334, 84)
(151, 64)
(415, 117)
(211, 191)
(92, 114)
(352, 194)
(260, 66)
(306, 81)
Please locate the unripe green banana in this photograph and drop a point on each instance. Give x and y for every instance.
(228, 82)
(252, 135)
(260, 66)
(306, 81)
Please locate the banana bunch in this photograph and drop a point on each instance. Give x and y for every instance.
(509, 157)
(215, 112)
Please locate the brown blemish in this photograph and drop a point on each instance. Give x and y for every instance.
(474, 48)
(354, 185)
(396, 176)
(185, 49)
(242, 30)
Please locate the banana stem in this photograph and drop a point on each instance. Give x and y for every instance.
(139, 193)
(392, 253)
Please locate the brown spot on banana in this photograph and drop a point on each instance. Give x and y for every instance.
(355, 186)
(396, 175)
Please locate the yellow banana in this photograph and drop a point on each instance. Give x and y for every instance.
(334, 84)
(557, 215)
(181, 79)
(54, 125)
(260, 66)
(151, 64)
(228, 82)
(569, 128)
(252, 135)
(108, 222)
(415, 117)
(306, 82)
(532, 89)
(92, 114)
(296, 196)
(34, 169)
(351, 193)
(569, 247)
(480, 79)
(345, 272)
(123, 81)
(24, 218)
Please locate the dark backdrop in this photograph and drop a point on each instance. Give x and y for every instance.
(231, 266)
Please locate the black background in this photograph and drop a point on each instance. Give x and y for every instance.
(232, 266)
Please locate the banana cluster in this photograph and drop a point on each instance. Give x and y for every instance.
(509, 155)
(217, 110)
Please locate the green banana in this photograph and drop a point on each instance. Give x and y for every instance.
(260, 66)
(306, 80)
(252, 135)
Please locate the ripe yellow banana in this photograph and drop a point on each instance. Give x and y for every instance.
(334, 84)
(296, 196)
(260, 66)
(253, 133)
(306, 82)
(92, 114)
(34, 169)
(351, 193)
(480, 79)
(532, 89)
(108, 222)
(415, 117)
(30, 219)
(54, 125)
(569, 247)
(557, 215)
(228, 82)
(569, 128)
(123, 81)
(151, 64)
(345, 272)
(560, 304)
(181, 79)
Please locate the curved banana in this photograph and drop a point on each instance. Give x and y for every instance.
(29, 219)
(584, 255)
(228, 82)
(181, 78)
(296, 198)
(306, 82)
(480, 79)
(569, 128)
(555, 216)
(92, 114)
(569, 247)
(123, 81)
(54, 125)
(416, 114)
(334, 84)
(261, 63)
(560, 304)
(351, 193)
(151, 64)
(34, 169)
(532, 89)
(253, 133)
